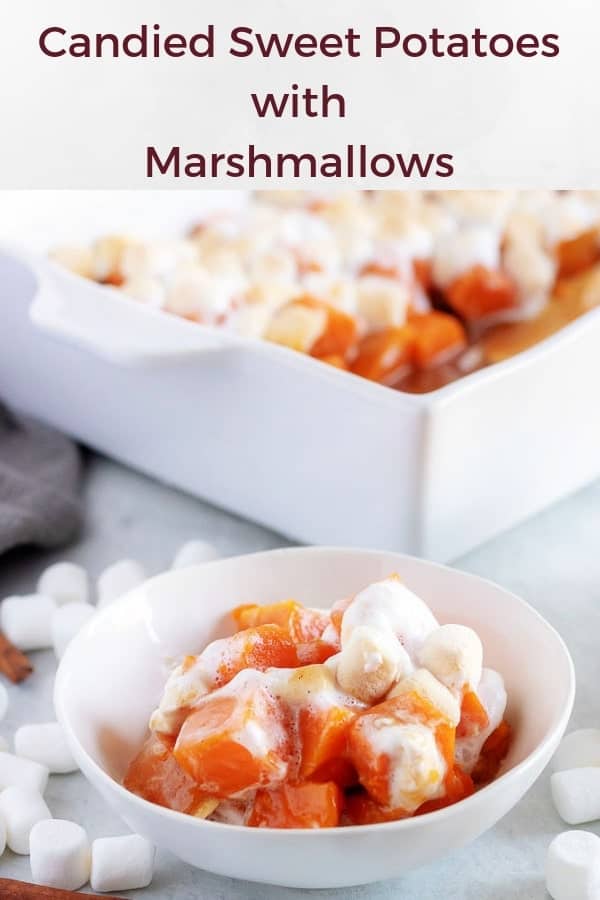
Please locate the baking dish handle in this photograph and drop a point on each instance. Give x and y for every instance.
(114, 326)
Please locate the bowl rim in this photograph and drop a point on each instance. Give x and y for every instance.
(512, 776)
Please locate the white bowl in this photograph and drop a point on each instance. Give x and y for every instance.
(113, 672)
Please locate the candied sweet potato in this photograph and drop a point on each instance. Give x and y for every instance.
(436, 337)
(303, 805)
(579, 253)
(261, 647)
(302, 624)
(234, 741)
(156, 776)
(457, 786)
(473, 717)
(480, 292)
(322, 735)
(340, 334)
(362, 809)
(386, 355)
(374, 766)
(492, 754)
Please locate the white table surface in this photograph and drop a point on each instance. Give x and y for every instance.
(553, 561)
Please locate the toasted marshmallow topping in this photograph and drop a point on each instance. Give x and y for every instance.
(370, 662)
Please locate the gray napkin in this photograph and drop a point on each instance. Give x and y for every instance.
(39, 477)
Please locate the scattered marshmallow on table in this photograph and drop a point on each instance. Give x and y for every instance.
(45, 743)
(21, 808)
(573, 866)
(576, 794)
(578, 750)
(67, 621)
(66, 582)
(27, 621)
(121, 863)
(60, 854)
(118, 579)
(25, 773)
(193, 553)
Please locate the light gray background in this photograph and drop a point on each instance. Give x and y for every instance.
(553, 561)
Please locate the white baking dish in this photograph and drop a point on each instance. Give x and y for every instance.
(315, 453)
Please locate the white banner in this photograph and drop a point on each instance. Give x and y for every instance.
(181, 94)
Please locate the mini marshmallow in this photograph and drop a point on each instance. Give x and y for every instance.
(26, 621)
(297, 326)
(60, 854)
(3, 700)
(573, 866)
(21, 808)
(576, 794)
(67, 621)
(459, 251)
(370, 662)
(388, 605)
(121, 863)
(118, 579)
(64, 581)
(578, 750)
(45, 743)
(383, 302)
(193, 553)
(454, 654)
(25, 773)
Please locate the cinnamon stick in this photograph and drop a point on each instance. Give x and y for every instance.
(22, 890)
(13, 663)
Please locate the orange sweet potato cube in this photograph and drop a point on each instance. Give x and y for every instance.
(473, 717)
(235, 739)
(262, 647)
(480, 292)
(303, 805)
(386, 355)
(156, 776)
(579, 253)
(437, 336)
(323, 734)
(300, 623)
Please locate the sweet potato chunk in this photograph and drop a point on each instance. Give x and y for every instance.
(323, 735)
(386, 355)
(457, 786)
(234, 740)
(156, 776)
(480, 292)
(304, 805)
(436, 337)
(362, 809)
(300, 623)
(579, 253)
(492, 754)
(340, 334)
(473, 717)
(260, 648)
(392, 720)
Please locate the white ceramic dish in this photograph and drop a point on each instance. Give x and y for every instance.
(113, 673)
(314, 453)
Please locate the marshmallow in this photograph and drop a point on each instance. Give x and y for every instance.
(370, 662)
(389, 606)
(383, 302)
(119, 579)
(573, 866)
(21, 808)
(193, 553)
(459, 251)
(576, 794)
(66, 622)
(454, 654)
(25, 773)
(26, 621)
(45, 744)
(578, 750)
(65, 582)
(60, 854)
(121, 863)
(3, 701)
(297, 326)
